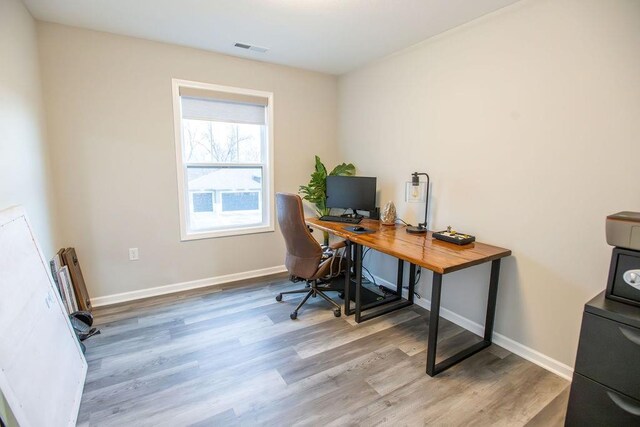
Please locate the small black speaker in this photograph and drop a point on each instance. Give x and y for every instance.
(375, 214)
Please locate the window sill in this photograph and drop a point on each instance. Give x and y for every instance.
(229, 232)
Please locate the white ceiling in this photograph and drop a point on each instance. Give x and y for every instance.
(332, 36)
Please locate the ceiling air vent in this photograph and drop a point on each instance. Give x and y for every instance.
(250, 47)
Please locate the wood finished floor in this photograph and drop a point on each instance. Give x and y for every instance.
(231, 356)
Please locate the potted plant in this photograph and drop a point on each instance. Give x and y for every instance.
(315, 191)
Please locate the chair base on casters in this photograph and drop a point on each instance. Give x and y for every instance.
(314, 291)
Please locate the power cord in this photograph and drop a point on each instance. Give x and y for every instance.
(418, 276)
(384, 289)
(366, 251)
(404, 222)
(373, 279)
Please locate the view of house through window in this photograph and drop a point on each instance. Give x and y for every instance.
(224, 154)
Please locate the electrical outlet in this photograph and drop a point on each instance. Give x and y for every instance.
(133, 254)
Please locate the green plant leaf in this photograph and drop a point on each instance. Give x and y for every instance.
(344, 169)
(320, 167)
(315, 191)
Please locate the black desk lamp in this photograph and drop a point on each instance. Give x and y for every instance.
(415, 184)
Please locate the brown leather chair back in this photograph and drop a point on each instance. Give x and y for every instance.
(303, 251)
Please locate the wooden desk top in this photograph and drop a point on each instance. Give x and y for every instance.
(419, 249)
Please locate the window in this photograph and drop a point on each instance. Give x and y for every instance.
(203, 202)
(224, 151)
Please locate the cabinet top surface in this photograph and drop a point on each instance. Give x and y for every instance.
(614, 310)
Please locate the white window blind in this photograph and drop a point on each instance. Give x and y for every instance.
(222, 111)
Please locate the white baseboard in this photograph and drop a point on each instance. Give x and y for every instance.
(515, 347)
(184, 286)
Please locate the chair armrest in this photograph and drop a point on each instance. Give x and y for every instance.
(338, 245)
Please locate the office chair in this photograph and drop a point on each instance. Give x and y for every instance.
(304, 258)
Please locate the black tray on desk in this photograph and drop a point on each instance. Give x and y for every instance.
(453, 237)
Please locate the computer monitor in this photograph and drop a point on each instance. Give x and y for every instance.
(351, 192)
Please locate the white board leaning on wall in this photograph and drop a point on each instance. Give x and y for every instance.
(42, 368)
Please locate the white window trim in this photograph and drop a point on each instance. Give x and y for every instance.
(183, 194)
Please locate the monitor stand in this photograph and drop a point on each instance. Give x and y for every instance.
(355, 214)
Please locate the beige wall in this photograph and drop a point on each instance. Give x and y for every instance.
(23, 165)
(24, 176)
(528, 122)
(110, 118)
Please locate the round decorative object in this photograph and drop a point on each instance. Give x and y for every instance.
(388, 215)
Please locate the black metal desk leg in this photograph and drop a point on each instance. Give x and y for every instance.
(358, 284)
(432, 367)
(400, 278)
(491, 302)
(412, 282)
(347, 279)
(434, 317)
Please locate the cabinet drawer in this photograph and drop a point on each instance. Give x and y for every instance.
(609, 353)
(592, 404)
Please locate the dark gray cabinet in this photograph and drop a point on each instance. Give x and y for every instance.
(606, 382)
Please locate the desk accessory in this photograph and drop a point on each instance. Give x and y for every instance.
(453, 236)
(346, 219)
(388, 215)
(415, 190)
(358, 229)
(374, 214)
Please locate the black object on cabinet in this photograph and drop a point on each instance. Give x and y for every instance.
(606, 381)
(624, 276)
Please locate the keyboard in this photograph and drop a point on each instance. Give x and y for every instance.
(344, 219)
